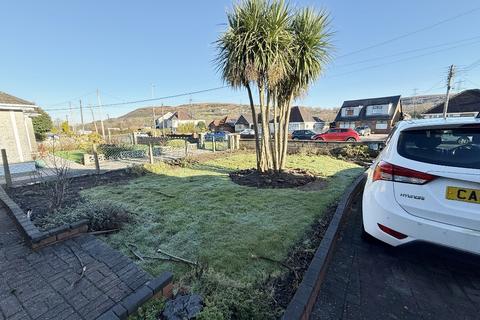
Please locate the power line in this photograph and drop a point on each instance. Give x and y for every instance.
(410, 33)
(147, 100)
(401, 60)
(409, 51)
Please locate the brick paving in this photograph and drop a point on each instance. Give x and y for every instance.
(47, 284)
(369, 280)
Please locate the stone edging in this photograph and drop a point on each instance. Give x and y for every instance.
(160, 286)
(301, 305)
(36, 238)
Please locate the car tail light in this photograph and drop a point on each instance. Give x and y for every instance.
(390, 172)
(392, 232)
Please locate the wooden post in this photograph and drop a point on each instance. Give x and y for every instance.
(213, 143)
(186, 147)
(150, 153)
(201, 140)
(6, 169)
(95, 156)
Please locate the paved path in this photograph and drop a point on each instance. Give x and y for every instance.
(374, 281)
(46, 284)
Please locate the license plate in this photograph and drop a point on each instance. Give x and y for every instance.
(463, 194)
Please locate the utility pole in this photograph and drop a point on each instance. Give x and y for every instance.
(81, 117)
(93, 118)
(101, 114)
(163, 121)
(451, 72)
(153, 107)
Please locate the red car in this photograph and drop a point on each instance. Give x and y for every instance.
(336, 134)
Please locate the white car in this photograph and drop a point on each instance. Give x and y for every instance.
(247, 132)
(427, 188)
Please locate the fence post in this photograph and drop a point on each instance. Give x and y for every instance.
(150, 153)
(201, 140)
(6, 169)
(230, 144)
(213, 143)
(134, 138)
(95, 156)
(186, 147)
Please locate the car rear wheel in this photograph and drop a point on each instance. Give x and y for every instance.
(351, 139)
(295, 138)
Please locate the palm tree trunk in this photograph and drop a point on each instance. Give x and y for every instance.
(255, 125)
(265, 145)
(283, 160)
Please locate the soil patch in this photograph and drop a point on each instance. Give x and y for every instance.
(287, 179)
(299, 260)
(37, 197)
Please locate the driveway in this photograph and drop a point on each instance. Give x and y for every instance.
(373, 281)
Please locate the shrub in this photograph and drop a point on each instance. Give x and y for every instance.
(102, 215)
(41, 124)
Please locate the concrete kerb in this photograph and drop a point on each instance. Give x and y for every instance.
(34, 237)
(301, 305)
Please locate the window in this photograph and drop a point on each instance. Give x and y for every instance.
(381, 125)
(379, 109)
(454, 146)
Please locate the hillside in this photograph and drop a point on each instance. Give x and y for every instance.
(143, 117)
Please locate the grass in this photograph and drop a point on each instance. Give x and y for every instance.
(196, 212)
(72, 155)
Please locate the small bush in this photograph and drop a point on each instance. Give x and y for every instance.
(149, 311)
(102, 215)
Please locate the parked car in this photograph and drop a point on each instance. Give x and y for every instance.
(303, 134)
(247, 133)
(422, 189)
(364, 130)
(337, 134)
(219, 136)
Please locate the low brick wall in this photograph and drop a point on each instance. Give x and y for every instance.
(161, 286)
(295, 146)
(34, 237)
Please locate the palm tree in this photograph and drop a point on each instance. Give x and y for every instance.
(309, 54)
(253, 54)
(278, 52)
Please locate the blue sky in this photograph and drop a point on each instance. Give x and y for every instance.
(59, 51)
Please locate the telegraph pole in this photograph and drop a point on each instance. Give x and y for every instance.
(451, 72)
(93, 118)
(81, 117)
(101, 114)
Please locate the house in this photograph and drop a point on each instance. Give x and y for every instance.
(224, 124)
(463, 104)
(379, 114)
(172, 120)
(244, 122)
(302, 119)
(17, 138)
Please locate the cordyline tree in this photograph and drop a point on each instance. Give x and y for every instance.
(275, 53)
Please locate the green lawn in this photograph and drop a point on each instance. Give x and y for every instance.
(72, 155)
(206, 217)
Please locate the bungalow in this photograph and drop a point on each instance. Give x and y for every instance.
(463, 104)
(302, 119)
(224, 124)
(379, 114)
(244, 122)
(17, 138)
(172, 120)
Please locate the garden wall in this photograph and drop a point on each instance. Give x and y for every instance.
(295, 146)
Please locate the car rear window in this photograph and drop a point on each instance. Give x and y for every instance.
(454, 146)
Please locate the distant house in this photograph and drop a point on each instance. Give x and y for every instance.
(245, 121)
(172, 120)
(17, 136)
(379, 114)
(302, 119)
(223, 124)
(463, 104)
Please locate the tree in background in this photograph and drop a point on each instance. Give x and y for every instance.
(41, 124)
(275, 53)
(201, 127)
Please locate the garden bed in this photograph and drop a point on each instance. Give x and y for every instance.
(287, 179)
(37, 197)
